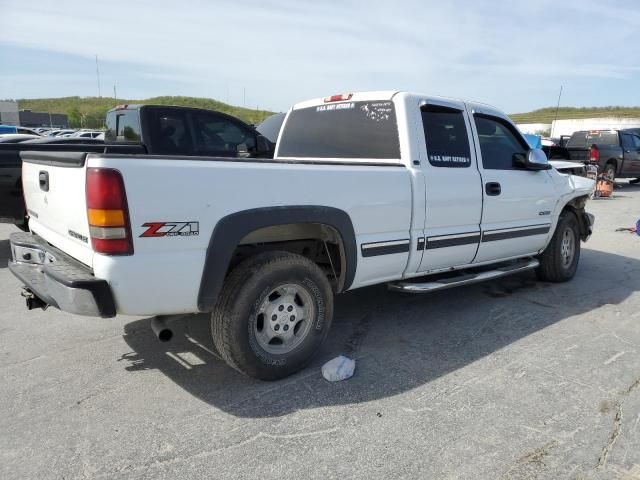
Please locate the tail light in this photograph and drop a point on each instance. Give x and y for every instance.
(108, 213)
(594, 154)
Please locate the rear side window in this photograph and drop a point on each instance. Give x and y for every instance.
(169, 133)
(586, 139)
(366, 130)
(446, 137)
(498, 143)
(123, 126)
(219, 135)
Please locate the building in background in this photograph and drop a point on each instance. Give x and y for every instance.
(9, 113)
(535, 128)
(567, 127)
(42, 119)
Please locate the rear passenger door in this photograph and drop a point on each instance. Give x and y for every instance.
(453, 187)
(518, 204)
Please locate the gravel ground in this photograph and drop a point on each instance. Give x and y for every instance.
(520, 380)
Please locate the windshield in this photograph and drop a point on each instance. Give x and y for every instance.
(366, 130)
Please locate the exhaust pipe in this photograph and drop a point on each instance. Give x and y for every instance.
(160, 327)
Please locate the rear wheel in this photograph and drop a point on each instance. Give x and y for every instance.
(610, 171)
(272, 315)
(559, 261)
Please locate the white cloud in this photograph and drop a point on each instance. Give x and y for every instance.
(287, 50)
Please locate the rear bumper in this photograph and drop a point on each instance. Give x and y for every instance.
(58, 279)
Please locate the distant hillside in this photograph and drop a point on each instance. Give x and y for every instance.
(90, 111)
(547, 115)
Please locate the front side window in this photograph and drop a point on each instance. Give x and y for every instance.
(498, 143)
(364, 130)
(217, 135)
(627, 141)
(446, 137)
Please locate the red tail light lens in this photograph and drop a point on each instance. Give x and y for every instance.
(594, 154)
(108, 212)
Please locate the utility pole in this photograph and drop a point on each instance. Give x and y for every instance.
(98, 76)
(557, 107)
(115, 95)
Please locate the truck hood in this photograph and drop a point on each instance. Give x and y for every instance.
(582, 185)
(564, 165)
(571, 186)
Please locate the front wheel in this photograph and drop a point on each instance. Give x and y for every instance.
(559, 261)
(272, 315)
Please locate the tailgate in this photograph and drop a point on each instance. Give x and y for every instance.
(54, 191)
(579, 154)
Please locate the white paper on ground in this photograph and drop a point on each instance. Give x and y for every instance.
(339, 368)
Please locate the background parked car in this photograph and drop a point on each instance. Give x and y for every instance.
(17, 137)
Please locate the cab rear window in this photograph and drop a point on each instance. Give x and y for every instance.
(123, 126)
(586, 139)
(364, 130)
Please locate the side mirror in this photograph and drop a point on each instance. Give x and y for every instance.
(535, 159)
(263, 146)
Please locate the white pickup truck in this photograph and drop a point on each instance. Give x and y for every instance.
(419, 192)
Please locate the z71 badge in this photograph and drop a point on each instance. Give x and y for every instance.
(170, 229)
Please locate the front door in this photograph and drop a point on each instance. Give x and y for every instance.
(631, 147)
(518, 204)
(453, 187)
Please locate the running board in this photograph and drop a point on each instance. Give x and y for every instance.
(466, 279)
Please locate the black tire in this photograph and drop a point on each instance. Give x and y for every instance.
(610, 171)
(634, 180)
(236, 319)
(554, 266)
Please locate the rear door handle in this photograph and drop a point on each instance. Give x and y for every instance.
(43, 178)
(493, 188)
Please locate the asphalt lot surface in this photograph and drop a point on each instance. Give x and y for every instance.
(509, 379)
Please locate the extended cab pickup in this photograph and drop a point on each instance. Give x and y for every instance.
(616, 153)
(419, 192)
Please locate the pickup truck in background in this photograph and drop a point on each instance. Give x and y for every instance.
(616, 153)
(12, 207)
(420, 192)
(220, 135)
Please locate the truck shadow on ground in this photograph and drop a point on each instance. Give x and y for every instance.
(5, 253)
(400, 342)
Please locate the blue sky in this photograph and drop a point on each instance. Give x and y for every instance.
(514, 54)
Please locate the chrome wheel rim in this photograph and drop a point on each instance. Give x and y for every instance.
(610, 172)
(284, 319)
(567, 247)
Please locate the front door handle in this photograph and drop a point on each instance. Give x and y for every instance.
(43, 178)
(493, 188)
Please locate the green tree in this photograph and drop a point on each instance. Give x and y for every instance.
(74, 117)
